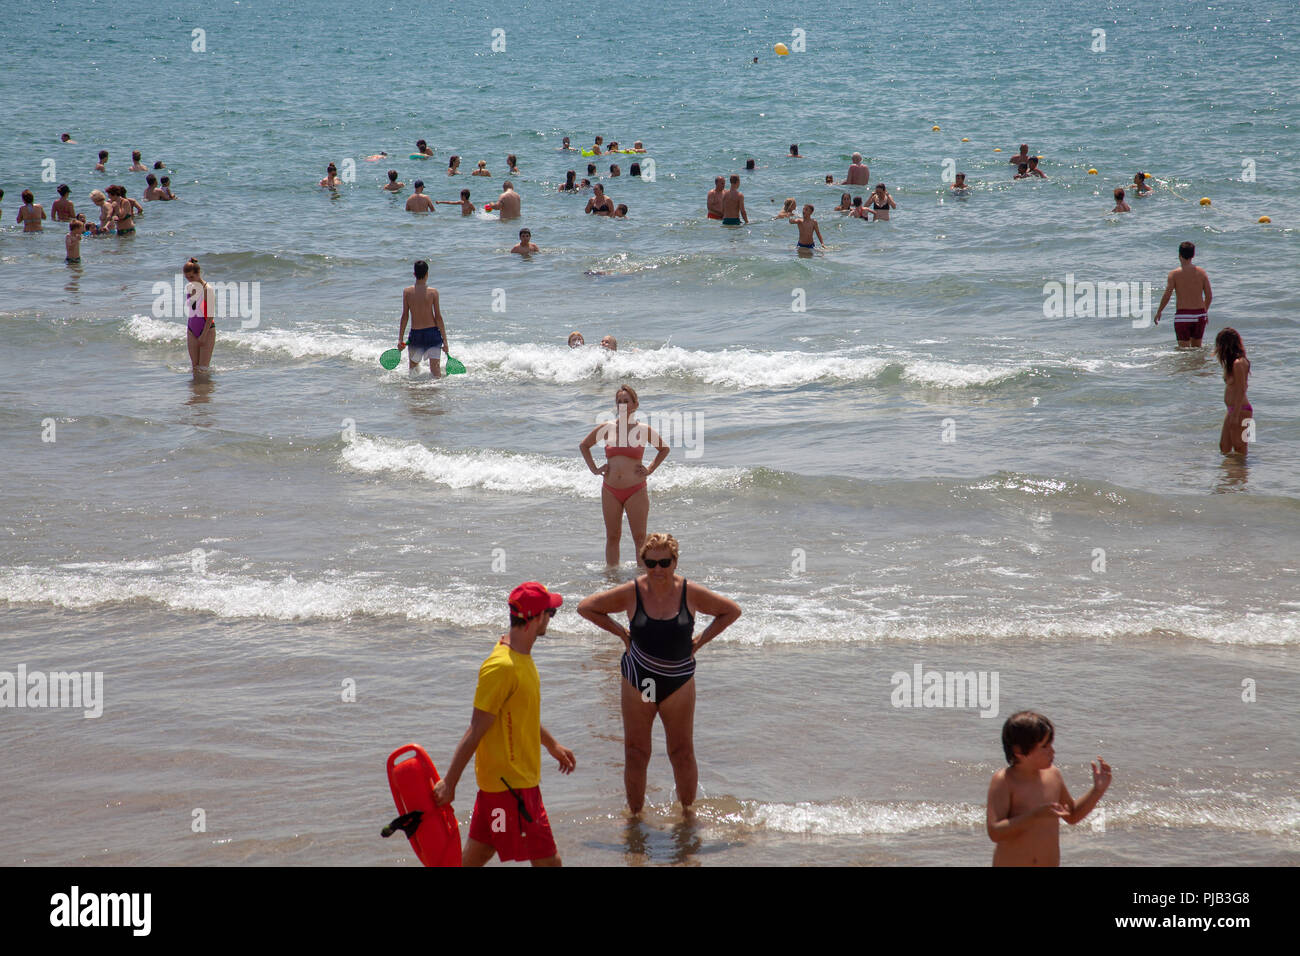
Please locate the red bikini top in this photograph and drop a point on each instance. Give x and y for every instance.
(632, 451)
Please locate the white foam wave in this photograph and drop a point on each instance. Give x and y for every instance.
(514, 473)
(856, 818)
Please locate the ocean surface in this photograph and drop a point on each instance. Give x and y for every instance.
(889, 453)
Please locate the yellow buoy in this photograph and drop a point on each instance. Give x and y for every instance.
(965, 139)
(1092, 172)
(1265, 219)
(997, 149)
(1147, 176)
(934, 128)
(781, 49)
(1205, 200)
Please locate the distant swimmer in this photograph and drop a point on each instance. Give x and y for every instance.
(1139, 181)
(638, 147)
(419, 202)
(733, 204)
(794, 152)
(160, 165)
(859, 210)
(576, 340)
(569, 186)
(807, 229)
(959, 184)
(614, 170)
(610, 344)
(466, 207)
(453, 166)
(881, 203)
(634, 170)
(1022, 171)
(620, 211)
(1231, 353)
(846, 203)
(830, 180)
(376, 157)
(67, 138)
(151, 191)
(512, 164)
(481, 169)
(713, 202)
(658, 664)
(613, 146)
(600, 204)
(62, 209)
(428, 334)
(1022, 156)
(421, 147)
(1120, 204)
(1192, 307)
(200, 318)
(505, 738)
(30, 213)
(858, 174)
(624, 491)
(166, 189)
(103, 159)
(526, 246)
(750, 166)
(596, 146)
(136, 165)
(125, 210)
(1034, 170)
(591, 169)
(509, 203)
(584, 185)
(331, 180)
(392, 185)
(787, 209)
(565, 147)
(72, 242)
(1028, 799)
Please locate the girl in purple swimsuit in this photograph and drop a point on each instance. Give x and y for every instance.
(201, 334)
(1231, 353)
(624, 490)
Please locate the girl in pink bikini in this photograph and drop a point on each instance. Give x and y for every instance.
(1231, 353)
(625, 441)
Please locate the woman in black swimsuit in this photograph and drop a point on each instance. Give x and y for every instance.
(882, 202)
(600, 204)
(658, 665)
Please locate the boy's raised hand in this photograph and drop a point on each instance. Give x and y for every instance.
(1101, 777)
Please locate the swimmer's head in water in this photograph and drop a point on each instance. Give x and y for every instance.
(794, 149)
(600, 190)
(103, 155)
(830, 180)
(419, 184)
(525, 234)
(1119, 195)
(1022, 168)
(575, 339)
(420, 145)
(65, 137)
(749, 164)
(28, 197)
(634, 169)
(857, 201)
(331, 169)
(566, 141)
(507, 185)
(453, 162)
(1023, 732)
(591, 169)
(569, 177)
(1024, 147)
(482, 164)
(63, 189)
(961, 179)
(638, 145)
(135, 156)
(166, 180)
(464, 194)
(584, 184)
(621, 210)
(614, 170)
(844, 199)
(160, 165)
(511, 160)
(1033, 161)
(151, 179)
(421, 268)
(599, 140)
(857, 159)
(1187, 250)
(611, 343)
(880, 187)
(392, 175)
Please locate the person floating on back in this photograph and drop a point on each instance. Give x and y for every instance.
(1028, 797)
(1192, 307)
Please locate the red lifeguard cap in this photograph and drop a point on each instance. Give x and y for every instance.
(531, 599)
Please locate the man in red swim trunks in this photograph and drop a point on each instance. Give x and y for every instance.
(505, 736)
(1192, 308)
(713, 202)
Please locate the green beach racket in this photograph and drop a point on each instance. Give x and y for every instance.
(454, 367)
(391, 359)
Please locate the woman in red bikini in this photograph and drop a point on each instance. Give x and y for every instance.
(625, 443)
(1231, 353)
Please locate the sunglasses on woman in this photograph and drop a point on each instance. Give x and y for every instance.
(659, 563)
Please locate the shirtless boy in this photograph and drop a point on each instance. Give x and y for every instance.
(103, 158)
(136, 165)
(419, 202)
(733, 204)
(1192, 308)
(466, 207)
(1120, 204)
(420, 307)
(713, 201)
(72, 242)
(392, 185)
(807, 229)
(1028, 797)
(960, 184)
(1034, 170)
(526, 245)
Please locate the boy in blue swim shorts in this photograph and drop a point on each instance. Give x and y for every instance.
(428, 334)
